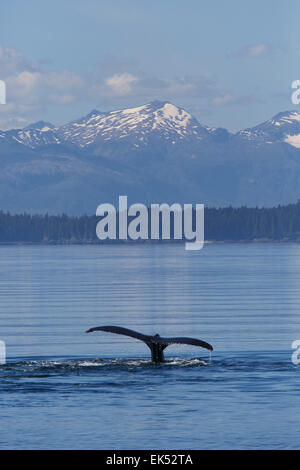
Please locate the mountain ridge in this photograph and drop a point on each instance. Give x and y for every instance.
(160, 116)
(157, 152)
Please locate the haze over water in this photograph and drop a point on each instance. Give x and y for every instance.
(62, 388)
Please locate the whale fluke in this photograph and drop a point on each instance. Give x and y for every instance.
(156, 343)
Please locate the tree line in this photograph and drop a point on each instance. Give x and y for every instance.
(221, 224)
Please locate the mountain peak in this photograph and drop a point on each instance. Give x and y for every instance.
(40, 126)
(288, 116)
(161, 119)
(157, 104)
(166, 106)
(283, 127)
(36, 134)
(284, 118)
(94, 112)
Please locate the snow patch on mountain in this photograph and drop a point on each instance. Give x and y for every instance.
(161, 119)
(173, 118)
(36, 138)
(293, 140)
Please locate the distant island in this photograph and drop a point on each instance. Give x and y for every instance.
(227, 224)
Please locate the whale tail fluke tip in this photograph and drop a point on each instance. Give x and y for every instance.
(156, 343)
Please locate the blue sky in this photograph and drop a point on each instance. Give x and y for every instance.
(230, 63)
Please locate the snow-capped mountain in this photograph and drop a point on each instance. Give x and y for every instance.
(160, 119)
(157, 152)
(35, 135)
(284, 127)
(156, 120)
(138, 125)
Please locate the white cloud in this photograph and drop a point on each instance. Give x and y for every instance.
(255, 50)
(24, 84)
(31, 89)
(121, 83)
(12, 61)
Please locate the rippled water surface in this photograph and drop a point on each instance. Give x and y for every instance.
(62, 388)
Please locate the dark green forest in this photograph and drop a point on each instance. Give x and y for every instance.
(221, 224)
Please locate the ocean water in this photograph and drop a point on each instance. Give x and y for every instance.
(64, 389)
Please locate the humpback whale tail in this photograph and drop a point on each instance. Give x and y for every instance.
(156, 343)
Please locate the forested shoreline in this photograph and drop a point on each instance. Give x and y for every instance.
(280, 223)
